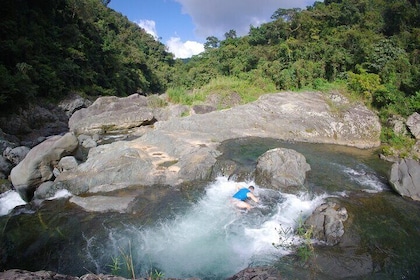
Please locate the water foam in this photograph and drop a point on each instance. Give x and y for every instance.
(364, 177)
(213, 240)
(8, 201)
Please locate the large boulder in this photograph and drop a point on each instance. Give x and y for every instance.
(184, 149)
(156, 158)
(405, 178)
(111, 114)
(327, 222)
(37, 166)
(282, 169)
(413, 123)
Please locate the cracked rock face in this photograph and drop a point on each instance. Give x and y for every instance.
(327, 222)
(405, 178)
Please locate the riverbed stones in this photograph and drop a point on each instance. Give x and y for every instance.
(38, 165)
(19, 274)
(257, 273)
(282, 169)
(405, 178)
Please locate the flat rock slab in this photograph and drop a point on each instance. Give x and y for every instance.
(184, 149)
(103, 203)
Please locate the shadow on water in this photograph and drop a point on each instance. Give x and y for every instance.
(194, 232)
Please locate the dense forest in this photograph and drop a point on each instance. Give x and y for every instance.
(368, 49)
(50, 48)
(370, 46)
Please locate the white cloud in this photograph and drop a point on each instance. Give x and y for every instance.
(149, 26)
(184, 49)
(216, 17)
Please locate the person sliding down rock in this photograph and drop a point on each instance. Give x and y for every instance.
(240, 198)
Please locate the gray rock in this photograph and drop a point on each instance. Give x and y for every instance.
(16, 155)
(171, 111)
(45, 190)
(413, 123)
(87, 141)
(203, 109)
(34, 123)
(5, 166)
(155, 158)
(38, 164)
(257, 273)
(67, 163)
(18, 274)
(73, 103)
(182, 150)
(103, 203)
(327, 222)
(405, 178)
(397, 123)
(112, 114)
(282, 169)
(7, 141)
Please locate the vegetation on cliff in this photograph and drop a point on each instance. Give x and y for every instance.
(50, 48)
(372, 47)
(369, 49)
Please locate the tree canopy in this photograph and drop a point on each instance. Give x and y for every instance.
(372, 46)
(50, 48)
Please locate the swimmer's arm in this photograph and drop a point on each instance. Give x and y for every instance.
(253, 197)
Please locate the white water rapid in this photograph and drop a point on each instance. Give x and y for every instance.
(8, 201)
(212, 240)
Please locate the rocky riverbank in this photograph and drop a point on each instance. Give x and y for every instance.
(118, 143)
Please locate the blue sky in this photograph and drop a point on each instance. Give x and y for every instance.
(184, 25)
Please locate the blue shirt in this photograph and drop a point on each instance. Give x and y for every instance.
(242, 194)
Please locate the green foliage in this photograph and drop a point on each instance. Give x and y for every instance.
(396, 143)
(242, 90)
(115, 266)
(346, 41)
(156, 275)
(303, 247)
(365, 84)
(50, 48)
(305, 250)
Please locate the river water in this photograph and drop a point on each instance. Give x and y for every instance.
(195, 232)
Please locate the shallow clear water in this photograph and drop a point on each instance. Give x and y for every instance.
(196, 232)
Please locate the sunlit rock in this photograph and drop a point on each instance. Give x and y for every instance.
(282, 169)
